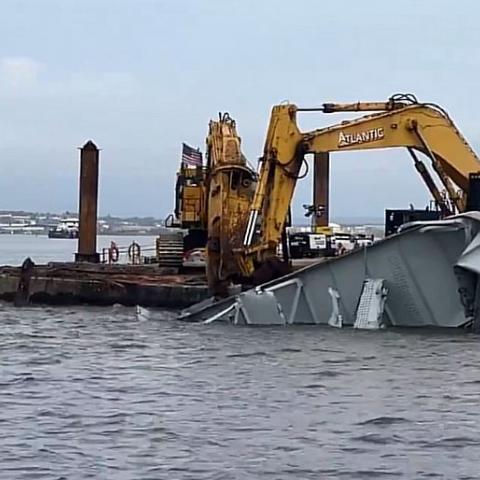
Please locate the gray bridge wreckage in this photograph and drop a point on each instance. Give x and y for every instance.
(427, 275)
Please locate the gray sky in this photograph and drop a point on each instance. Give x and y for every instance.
(141, 76)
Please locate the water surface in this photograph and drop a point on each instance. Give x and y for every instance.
(95, 393)
(41, 249)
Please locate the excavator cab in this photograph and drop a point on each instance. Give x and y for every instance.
(187, 226)
(190, 197)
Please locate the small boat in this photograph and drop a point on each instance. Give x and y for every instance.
(65, 229)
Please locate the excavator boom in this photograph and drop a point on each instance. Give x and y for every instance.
(399, 122)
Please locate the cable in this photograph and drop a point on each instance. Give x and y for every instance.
(404, 97)
(292, 175)
(413, 100)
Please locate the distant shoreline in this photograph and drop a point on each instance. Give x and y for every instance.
(127, 234)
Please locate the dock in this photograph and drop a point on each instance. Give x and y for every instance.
(99, 279)
(99, 284)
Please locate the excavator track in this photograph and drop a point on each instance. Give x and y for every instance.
(170, 249)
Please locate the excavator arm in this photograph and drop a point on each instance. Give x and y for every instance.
(229, 191)
(425, 128)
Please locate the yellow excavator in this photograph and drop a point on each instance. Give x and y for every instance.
(401, 121)
(210, 200)
(229, 189)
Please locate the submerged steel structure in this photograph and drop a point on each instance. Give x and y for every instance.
(429, 275)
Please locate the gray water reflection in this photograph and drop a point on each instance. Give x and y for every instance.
(94, 393)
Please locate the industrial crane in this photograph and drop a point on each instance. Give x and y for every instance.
(210, 200)
(229, 189)
(399, 122)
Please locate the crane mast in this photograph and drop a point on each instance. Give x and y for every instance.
(229, 191)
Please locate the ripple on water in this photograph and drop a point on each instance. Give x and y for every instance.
(247, 354)
(450, 442)
(378, 438)
(328, 373)
(384, 421)
(92, 393)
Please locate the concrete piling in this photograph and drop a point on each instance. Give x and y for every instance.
(88, 204)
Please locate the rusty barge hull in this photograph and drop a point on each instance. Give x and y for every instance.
(74, 284)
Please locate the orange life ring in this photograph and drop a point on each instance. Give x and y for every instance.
(113, 253)
(134, 251)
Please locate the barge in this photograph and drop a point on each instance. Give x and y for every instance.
(100, 284)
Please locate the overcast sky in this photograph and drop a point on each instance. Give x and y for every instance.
(139, 77)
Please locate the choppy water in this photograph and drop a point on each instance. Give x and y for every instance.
(96, 393)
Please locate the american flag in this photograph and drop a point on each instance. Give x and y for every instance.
(190, 156)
